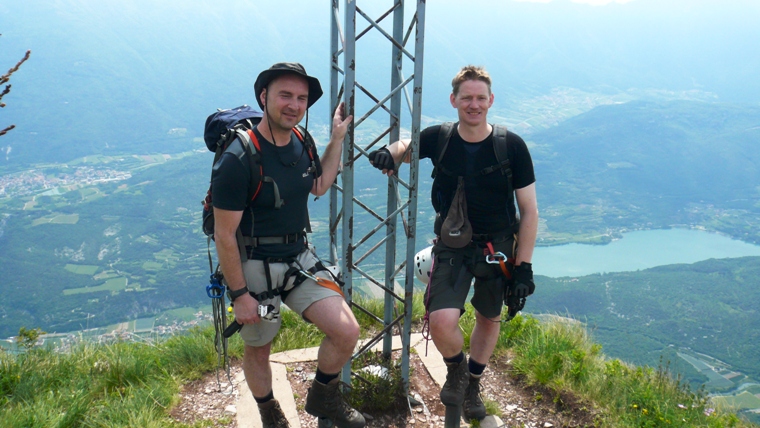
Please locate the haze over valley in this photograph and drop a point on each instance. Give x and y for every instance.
(640, 115)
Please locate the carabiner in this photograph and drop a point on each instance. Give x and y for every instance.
(215, 289)
(496, 258)
(309, 275)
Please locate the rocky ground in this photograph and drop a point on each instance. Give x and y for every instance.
(520, 405)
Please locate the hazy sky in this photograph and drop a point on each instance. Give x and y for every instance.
(93, 61)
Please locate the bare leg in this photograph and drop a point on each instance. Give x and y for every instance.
(444, 328)
(484, 337)
(258, 373)
(334, 318)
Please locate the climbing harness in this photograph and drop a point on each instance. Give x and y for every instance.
(269, 312)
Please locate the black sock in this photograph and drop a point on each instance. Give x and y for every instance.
(325, 378)
(264, 399)
(456, 359)
(476, 369)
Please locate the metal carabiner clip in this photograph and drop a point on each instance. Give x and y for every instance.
(496, 258)
(308, 274)
(215, 289)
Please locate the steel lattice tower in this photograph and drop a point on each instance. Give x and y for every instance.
(351, 82)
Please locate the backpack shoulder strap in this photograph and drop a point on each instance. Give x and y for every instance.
(500, 148)
(316, 167)
(444, 135)
(311, 148)
(253, 150)
(502, 153)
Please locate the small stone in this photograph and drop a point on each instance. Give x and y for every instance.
(299, 369)
(418, 410)
(207, 391)
(416, 400)
(412, 421)
(548, 425)
(230, 410)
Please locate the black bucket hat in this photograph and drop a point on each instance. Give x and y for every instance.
(281, 68)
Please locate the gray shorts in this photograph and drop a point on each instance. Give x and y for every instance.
(298, 299)
(453, 272)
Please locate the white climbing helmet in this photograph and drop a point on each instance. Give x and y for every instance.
(423, 263)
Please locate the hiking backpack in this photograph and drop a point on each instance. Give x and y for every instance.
(222, 128)
(499, 147)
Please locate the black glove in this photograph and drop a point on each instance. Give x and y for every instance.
(520, 288)
(382, 159)
(522, 284)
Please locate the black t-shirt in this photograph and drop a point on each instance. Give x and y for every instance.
(490, 206)
(288, 166)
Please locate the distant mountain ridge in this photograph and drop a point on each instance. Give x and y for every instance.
(653, 164)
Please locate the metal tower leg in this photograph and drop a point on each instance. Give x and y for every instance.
(359, 236)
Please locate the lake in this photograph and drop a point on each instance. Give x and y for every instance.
(638, 250)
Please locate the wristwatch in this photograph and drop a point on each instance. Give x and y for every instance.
(234, 294)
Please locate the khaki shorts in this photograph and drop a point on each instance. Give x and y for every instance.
(453, 272)
(297, 300)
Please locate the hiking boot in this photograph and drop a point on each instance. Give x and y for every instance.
(473, 407)
(452, 393)
(326, 401)
(272, 415)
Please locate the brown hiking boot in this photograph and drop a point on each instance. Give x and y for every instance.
(473, 407)
(326, 401)
(452, 393)
(272, 415)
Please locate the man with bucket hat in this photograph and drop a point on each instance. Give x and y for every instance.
(278, 265)
(480, 171)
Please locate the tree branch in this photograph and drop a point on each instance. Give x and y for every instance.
(5, 78)
(5, 131)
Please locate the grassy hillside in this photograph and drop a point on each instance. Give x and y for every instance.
(136, 384)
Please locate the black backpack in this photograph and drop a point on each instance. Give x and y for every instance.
(499, 147)
(222, 128)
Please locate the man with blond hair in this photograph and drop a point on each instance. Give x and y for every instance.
(480, 171)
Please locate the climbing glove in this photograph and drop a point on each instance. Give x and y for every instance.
(523, 285)
(382, 159)
(520, 288)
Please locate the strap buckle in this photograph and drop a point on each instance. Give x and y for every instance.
(268, 313)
